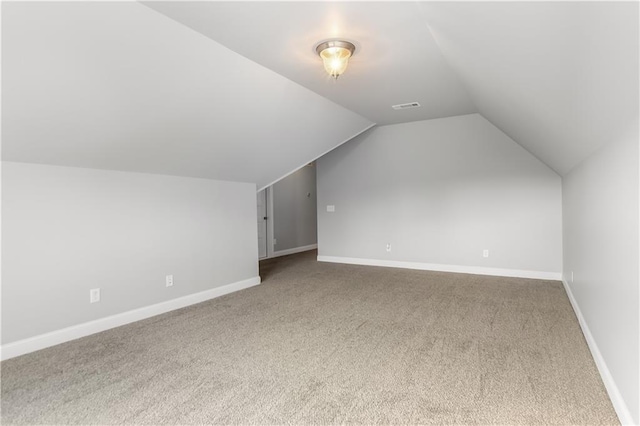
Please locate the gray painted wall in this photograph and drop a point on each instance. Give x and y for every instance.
(67, 230)
(600, 213)
(294, 210)
(440, 191)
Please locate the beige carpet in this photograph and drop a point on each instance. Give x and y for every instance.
(321, 343)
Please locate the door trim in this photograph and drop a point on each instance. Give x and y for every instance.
(269, 198)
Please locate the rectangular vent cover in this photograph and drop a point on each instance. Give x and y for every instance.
(406, 106)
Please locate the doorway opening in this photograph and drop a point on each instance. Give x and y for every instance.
(262, 198)
(287, 215)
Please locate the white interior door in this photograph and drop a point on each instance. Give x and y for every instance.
(262, 223)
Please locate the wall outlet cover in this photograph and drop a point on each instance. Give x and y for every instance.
(169, 280)
(94, 295)
(331, 209)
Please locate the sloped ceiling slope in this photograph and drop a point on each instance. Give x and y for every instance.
(396, 61)
(560, 78)
(116, 85)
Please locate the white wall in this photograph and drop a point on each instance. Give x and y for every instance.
(440, 191)
(295, 210)
(67, 230)
(600, 215)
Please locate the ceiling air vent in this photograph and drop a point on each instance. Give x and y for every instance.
(406, 106)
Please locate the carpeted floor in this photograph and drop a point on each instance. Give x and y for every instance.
(321, 343)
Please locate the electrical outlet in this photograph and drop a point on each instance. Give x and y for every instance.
(94, 295)
(485, 253)
(388, 246)
(331, 209)
(169, 280)
(571, 277)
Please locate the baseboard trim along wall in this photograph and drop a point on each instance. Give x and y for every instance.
(32, 344)
(477, 270)
(624, 415)
(292, 251)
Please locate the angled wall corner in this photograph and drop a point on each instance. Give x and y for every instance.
(561, 90)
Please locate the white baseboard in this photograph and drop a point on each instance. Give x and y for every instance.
(53, 338)
(624, 415)
(293, 251)
(477, 270)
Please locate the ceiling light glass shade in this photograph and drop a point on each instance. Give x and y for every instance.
(335, 56)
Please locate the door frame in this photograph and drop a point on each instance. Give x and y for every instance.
(269, 198)
(268, 195)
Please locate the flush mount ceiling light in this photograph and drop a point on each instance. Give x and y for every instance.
(335, 55)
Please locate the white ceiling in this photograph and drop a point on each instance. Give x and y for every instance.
(115, 85)
(396, 60)
(119, 85)
(560, 78)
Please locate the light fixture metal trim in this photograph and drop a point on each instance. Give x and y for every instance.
(336, 43)
(335, 55)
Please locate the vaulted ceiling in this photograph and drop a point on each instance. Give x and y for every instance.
(397, 60)
(235, 91)
(116, 85)
(560, 78)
